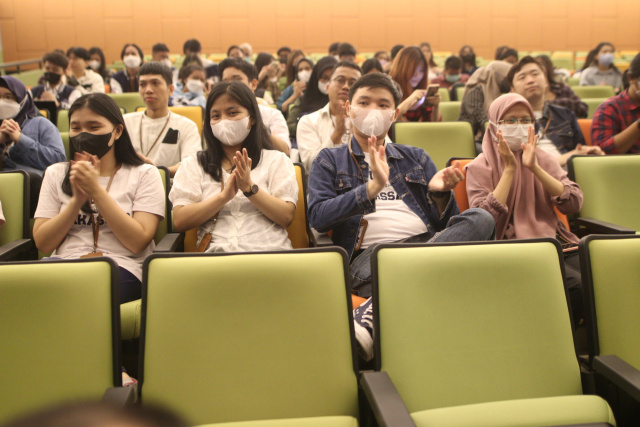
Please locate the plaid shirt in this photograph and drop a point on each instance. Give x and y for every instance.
(612, 117)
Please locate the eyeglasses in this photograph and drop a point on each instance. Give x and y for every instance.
(513, 122)
(342, 81)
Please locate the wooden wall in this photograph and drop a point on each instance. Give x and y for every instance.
(29, 28)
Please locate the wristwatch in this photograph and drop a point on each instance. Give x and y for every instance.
(253, 190)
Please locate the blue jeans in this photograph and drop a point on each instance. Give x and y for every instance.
(469, 226)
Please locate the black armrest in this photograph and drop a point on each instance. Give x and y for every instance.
(387, 405)
(320, 239)
(17, 247)
(171, 242)
(120, 397)
(595, 226)
(620, 373)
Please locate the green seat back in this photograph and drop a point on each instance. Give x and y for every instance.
(29, 78)
(573, 81)
(66, 142)
(594, 91)
(163, 226)
(444, 94)
(612, 270)
(450, 110)
(562, 62)
(57, 320)
(460, 92)
(593, 104)
(63, 120)
(129, 101)
(238, 338)
(14, 187)
(466, 324)
(440, 140)
(607, 195)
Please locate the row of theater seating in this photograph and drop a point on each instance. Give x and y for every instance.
(471, 334)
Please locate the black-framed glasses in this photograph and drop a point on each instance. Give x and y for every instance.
(522, 121)
(342, 81)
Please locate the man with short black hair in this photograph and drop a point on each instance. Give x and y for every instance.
(347, 53)
(283, 54)
(210, 67)
(55, 89)
(370, 191)
(160, 137)
(329, 126)
(160, 53)
(451, 74)
(236, 69)
(84, 79)
(333, 49)
(557, 127)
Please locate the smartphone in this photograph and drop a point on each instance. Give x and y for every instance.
(432, 90)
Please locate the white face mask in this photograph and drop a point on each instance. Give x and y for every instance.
(304, 76)
(514, 135)
(8, 109)
(231, 132)
(132, 61)
(195, 86)
(371, 121)
(322, 87)
(94, 64)
(167, 62)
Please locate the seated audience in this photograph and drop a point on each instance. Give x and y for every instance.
(247, 50)
(28, 141)
(293, 92)
(82, 77)
(410, 70)
(333, 49)
(468, 57)
(616, 122)
(191, 87)
(561, 94)
(519, 185)
(347, 53)
(160, 137)
(451, 74)
(315, 96)
(160, 53)
(289, 77)
(239, 193)
(383, 57)
(602, 71)
(556, 127)
(507, 54)
(372, 65)
(193, 46)
(236, 69)
(98, 64)
(105, 202)
(485, 85)
(54, 87)
(127, 79)
(268, 75)
(235, 52)
(434, 69)
(330, 126)
(365, 182)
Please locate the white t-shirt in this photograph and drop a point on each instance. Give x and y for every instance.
(169, 150)
(134, 188)
(275, 122)
(1, 215)
(392, 220)
(240, 227)
(91, 82)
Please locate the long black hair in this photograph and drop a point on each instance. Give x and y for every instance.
(103, 105)
(258, 139)
(313, 99)
(102, 70)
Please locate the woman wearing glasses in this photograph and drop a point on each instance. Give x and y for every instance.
(520, 185)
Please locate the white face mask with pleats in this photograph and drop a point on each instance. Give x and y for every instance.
(514, 134)
(8, 109)
(231, 132)
(372, 121)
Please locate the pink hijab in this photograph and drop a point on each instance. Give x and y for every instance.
(529, 206)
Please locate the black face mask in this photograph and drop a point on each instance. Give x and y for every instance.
(97, 145)
(52, 78)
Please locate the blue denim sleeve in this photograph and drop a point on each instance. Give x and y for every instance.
(40, 144)
(326, 206)
(438, 221)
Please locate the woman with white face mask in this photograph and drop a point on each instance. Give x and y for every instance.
(295, 90)
(190, 90)
(127, 79)
(602, 71)
(239, 192)
(520, 185)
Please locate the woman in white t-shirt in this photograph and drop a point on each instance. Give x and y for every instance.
(239, 192)
(107, 188)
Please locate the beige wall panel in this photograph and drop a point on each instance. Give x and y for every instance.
(118, 32)
(233, 31)
(123, 8)
(30, 27)
(9, 40)
(58, 9)
(56, 39)
(7, 10)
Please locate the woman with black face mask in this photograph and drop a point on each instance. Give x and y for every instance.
(106, 201)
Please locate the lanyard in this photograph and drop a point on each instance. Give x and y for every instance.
(544, 131)
(95, 225)
(159, 135)
(356, 162)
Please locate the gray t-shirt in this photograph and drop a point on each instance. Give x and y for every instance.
(592, 76)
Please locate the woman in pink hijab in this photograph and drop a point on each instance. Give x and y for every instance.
(520, 185)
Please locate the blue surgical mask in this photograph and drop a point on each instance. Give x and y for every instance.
(605, 59)
(452, 78)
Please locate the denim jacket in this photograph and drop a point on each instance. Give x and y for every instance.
(338, 195)
(561, 127)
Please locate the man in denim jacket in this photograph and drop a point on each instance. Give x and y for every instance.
(395, 188)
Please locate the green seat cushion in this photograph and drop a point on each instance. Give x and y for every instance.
(548, 411)
(297, 422)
